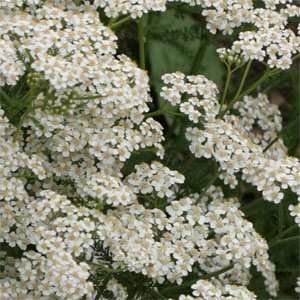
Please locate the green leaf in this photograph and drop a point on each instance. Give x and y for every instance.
(173, 41)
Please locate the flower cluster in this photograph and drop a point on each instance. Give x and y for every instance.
(119, 292)
(57, 229)
(70, 47)
(154, 178)
(204, 289)
(168, 245)
(297, 289)
(270, 39)
(238, 143)
(67, 205)
(295, 212)
(199, 95)
(70, 149)
(114, 8)
(161, 245)
(11, 68)
(261, 119)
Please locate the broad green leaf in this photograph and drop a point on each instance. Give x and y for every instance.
(173, 41)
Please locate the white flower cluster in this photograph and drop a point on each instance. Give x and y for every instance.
(149, 241)
(238, 144)
(262, 120)
(232, 148)
(59, 231)
(297, 289)
(11, 4)
(295, 212)
(168, 245)
(53, 49)
(69, 47)
(199, 95)
(272, 41)
(74, 148)
(204, 289)
(114, 8)
(119, 292)
(11, 68)
(154, 178)
(62, 189)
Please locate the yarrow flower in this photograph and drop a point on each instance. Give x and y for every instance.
(236, 144)
(204, 289)
(73, 207)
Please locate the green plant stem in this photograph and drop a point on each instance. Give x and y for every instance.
(271, 143)
(249, 206)
(279, 135)
(280, 218)
(161, 112)
(4, 95)
(240, 88)
(209, 184)
(228, 78)
(141, 39)
(285, 232)
(217, 273)
(242, 83)
(198, 58)
(117, 24)
(252, 87)
(283, 241)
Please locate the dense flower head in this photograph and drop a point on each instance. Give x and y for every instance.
(184, 241)
(270, 40)
(68, 47)
(199, 95)
(238, 142)
(160, 245)
(154, 178)
(204, 289)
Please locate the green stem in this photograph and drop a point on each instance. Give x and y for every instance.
(285, 232)
(4, 95)
(249, 206)
(198, 58)
(246, 72)
(156, 113)
(217, 273)
(228, 78)
(263, 78)
(280, 218)
(119, 23)
(161, 112)
(240, 88)
(279, 135)
(271, 143)
(141, 39)
(279, 242)
(210, 183)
